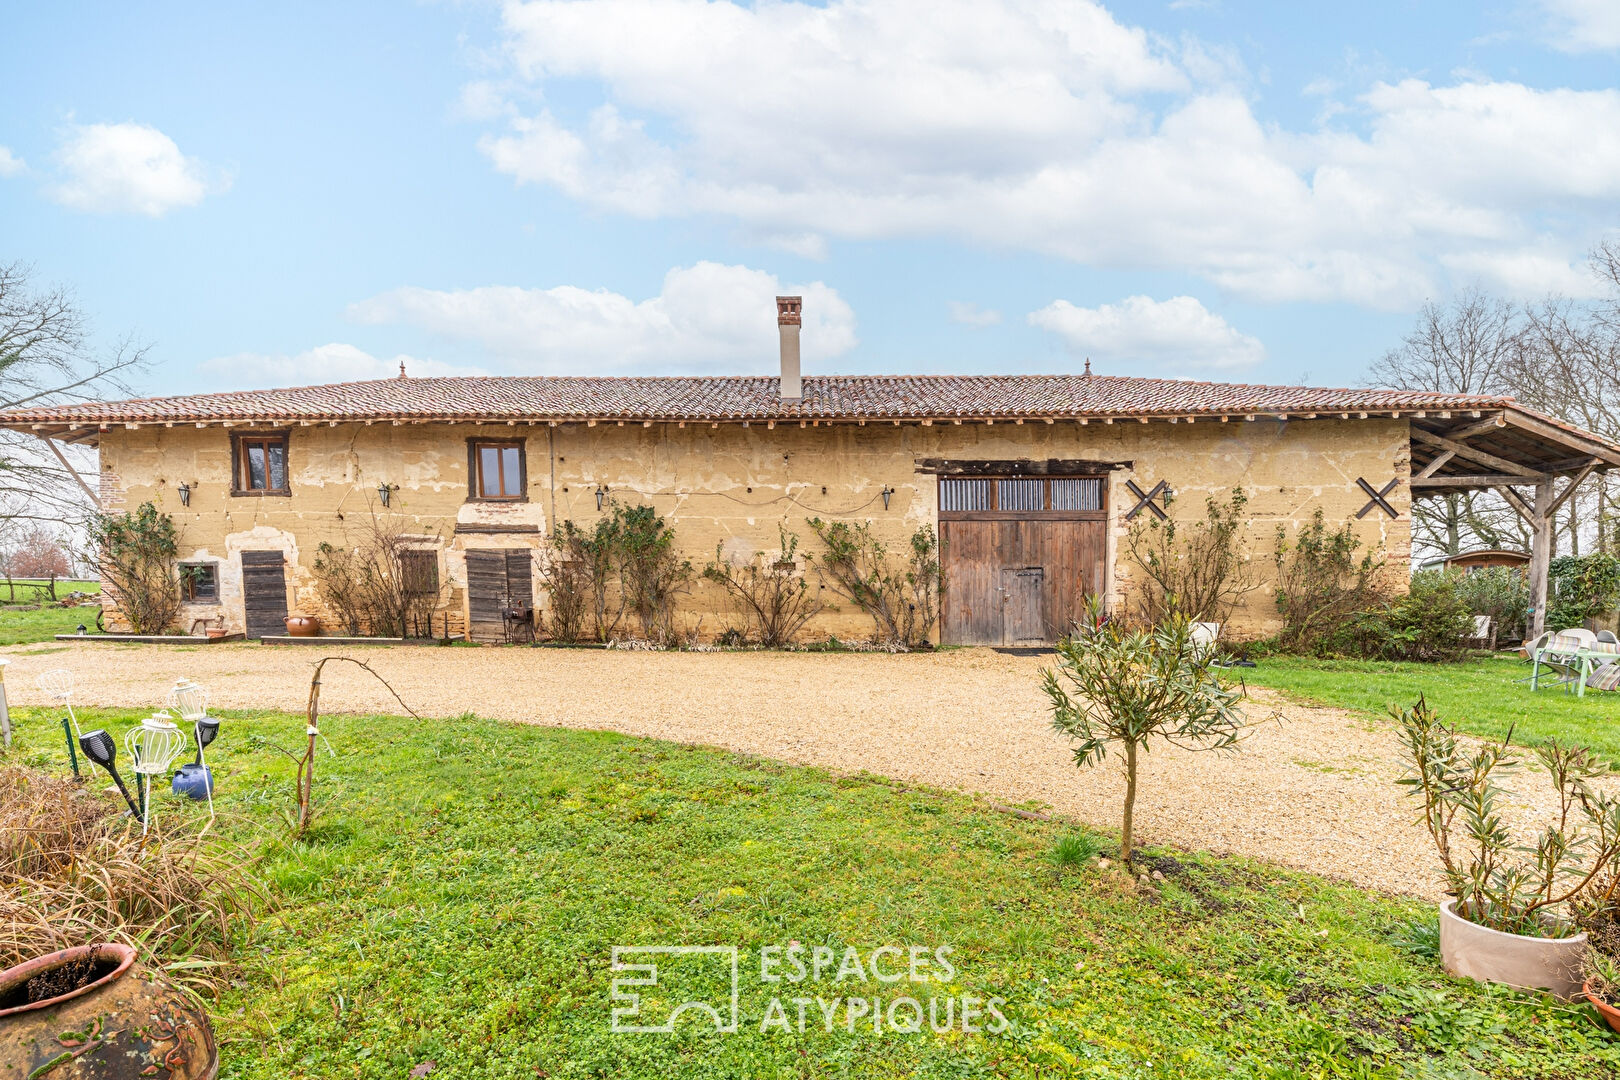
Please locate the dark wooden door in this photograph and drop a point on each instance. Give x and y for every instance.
(1019, 559)
(264, 593)
(496, 578)
(1023, 595)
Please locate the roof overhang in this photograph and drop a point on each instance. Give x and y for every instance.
(1504, 448)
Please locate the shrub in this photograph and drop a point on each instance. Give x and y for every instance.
(1132, 687)
(651, 574)
(903, 601)
(771, 595)
(1581, 587)
(569, 582)
(134, 553)
(74, 869)
(1502, 592)
(1430, 622)
(1320, 583)
(1494, 883)
(385, 584)
(1199, 568)
(1074, 851)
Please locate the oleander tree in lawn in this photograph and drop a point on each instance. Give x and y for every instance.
(1127, 689)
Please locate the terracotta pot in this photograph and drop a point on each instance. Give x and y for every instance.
(1524, 963)
(128, 1022)
(302, 625)
(216, 632)
(1607, 1011)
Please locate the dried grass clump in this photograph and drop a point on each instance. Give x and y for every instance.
(74, 871)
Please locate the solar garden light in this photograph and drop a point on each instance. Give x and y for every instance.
(195, 780)
(154, 745)
(100, 748)
(58, 684)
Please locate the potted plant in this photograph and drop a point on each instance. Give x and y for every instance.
(1602, 986)
(1511, 917)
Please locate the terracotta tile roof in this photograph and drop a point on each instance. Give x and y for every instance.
(843, 397)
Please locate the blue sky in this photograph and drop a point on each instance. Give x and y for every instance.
(292, 193)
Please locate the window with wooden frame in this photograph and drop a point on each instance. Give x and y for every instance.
(1021, 496)
(496, 470)
(199, 583)
(259, 463)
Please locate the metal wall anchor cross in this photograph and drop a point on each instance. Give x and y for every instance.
(1377, 497)
(1145, 500)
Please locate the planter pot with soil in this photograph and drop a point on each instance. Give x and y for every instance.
(1524, 963)
(94, 1012)
(1605, 1010)
(302, 625)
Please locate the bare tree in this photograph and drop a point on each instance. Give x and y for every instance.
(46, 358)
(1472, 345)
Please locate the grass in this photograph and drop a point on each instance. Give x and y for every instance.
(466, 881)
(19, 626)
(1483, 697)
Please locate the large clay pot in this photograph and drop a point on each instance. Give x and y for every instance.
(1524, 963)
(127, 1022)
(1607, 1011)
(302, 625)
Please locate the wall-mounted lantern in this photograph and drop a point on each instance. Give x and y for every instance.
(385, 492)
(887, 492)
(184, 491)
(601, 496)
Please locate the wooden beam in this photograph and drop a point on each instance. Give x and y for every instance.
(1490, 423)
(1480, 457)
(1574, 482)
(1564, 437)
(94, 500)
(1476, 480)
(1540, 557)
(1520, 507)
(1435, 466)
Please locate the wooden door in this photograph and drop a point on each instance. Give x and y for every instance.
(1023, 593)
(1020, 556)
(264, 593)
(496, 578)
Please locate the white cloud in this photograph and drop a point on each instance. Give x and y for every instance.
(706, 317)
(1175, 333)
(323, 364)
(1584, 25)
(128, 168)
(10, 164)
(967, 313)
(1044, 125)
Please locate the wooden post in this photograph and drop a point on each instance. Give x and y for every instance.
(1541, 540)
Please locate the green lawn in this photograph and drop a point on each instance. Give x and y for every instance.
(462, 893)
(19, 626)
(1481, 696)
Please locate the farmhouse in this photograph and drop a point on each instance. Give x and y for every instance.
(1032, 482)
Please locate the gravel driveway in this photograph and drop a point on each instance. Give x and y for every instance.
(1315, 791)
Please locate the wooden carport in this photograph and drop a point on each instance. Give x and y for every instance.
(1532, 460)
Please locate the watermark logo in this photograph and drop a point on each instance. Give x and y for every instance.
(884, 990)
(675, 989)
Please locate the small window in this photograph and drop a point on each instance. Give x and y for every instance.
(261, 464)
(1021, 494)
(497, 469)
(1076, 494)
(958, 495)
(199, 583)
(419, 568)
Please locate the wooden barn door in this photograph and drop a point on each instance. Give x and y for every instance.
(264, 593)
(1021, 554)
(496, 578)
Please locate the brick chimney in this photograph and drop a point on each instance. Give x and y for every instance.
(787, 324)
